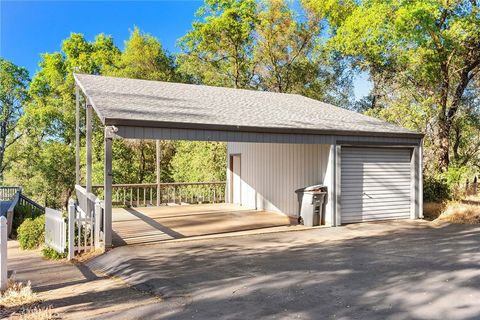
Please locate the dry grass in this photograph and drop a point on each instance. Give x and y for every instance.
(20, 302)
(457, 212)
(432, 210)
(17, 294)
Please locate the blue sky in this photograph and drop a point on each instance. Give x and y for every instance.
(29, 28)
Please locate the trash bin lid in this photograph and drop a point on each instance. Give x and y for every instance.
(317, 187)
(314, 188)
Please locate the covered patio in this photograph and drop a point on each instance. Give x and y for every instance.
(144, 225)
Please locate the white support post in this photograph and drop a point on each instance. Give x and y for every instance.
(77, 136)
(107, 214)
(98, 217)
(71, 229)
(89, 148)
(3, 254)
(158, 158)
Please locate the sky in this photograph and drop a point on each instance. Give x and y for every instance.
(29, 28)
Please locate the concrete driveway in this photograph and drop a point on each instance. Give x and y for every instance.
(394, 270)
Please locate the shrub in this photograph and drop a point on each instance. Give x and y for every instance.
(52, 254)
(435, 189)
(31, 233)
(22, 213)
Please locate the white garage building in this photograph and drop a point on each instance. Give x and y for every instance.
(277, 143)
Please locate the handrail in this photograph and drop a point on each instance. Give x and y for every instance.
(100, 186)
(90, 196)
(31, 202)
(11, 211)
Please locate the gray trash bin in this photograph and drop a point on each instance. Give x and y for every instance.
(310, 200)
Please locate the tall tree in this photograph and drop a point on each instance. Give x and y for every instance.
(429, 47)
(143, 58)
(14, 82)
(219, 48)
(291, 54)
(49, 119)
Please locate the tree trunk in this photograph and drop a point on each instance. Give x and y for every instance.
(443, 145)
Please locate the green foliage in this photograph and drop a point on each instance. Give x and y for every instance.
(446, 185)
(435, 189)
(52, 254)
(31, 233)
(22, 213)
(143, 58)
(199, 161)
(422, 55)
(13, 95)
(269, 45)
(218, 49)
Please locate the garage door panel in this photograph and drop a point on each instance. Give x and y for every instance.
(382, 198)
(387, 178)
(378, 171)
(375, 187)
(375, 212)
(373, 218)
(375, 184)
(376, 205)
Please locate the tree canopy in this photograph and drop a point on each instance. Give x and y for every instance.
(422, 57)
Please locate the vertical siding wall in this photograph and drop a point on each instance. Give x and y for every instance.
(271, 173)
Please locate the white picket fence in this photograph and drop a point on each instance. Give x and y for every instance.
(55, 230)
(84, 223)
(3, 253)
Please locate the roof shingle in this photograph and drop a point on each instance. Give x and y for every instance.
(122, 101)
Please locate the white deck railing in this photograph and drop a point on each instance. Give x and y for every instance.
(85, 218)
(146, 194)
(55, 230)
(3, 253)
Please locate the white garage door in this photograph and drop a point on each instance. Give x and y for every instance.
(375, 184)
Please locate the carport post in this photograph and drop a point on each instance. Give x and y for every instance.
(159, 154)
(107, 214)
(89, 147)
(77, 135)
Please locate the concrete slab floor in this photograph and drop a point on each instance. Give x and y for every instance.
(393, 270)
(152, 224)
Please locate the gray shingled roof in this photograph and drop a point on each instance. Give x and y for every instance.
(130, 102)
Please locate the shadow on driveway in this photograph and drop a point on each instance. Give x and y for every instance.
(395, 270)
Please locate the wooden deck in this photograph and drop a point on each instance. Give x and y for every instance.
(152, 224)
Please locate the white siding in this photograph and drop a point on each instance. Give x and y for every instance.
(271, 173)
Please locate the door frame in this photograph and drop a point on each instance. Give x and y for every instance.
(232, 155)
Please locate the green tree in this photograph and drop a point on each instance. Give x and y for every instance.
(14, 82)
(219, 48)
(199, 161)
(430, 48)
(44, 156)
(143, 58)
(134, 161)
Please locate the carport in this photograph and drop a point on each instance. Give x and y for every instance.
(276, 143)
